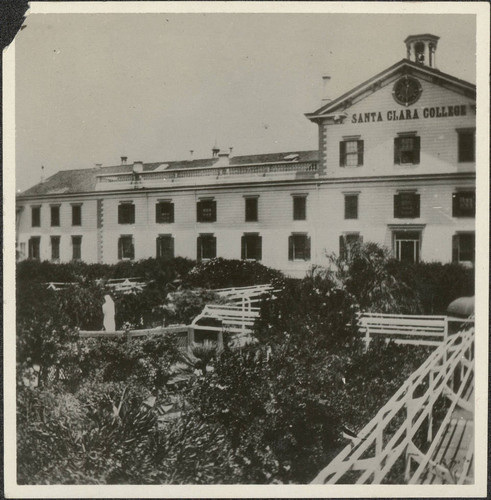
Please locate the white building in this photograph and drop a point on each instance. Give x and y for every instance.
(395, 165)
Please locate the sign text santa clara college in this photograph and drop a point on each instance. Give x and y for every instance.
(412, 113)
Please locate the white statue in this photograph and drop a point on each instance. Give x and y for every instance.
(108, 310)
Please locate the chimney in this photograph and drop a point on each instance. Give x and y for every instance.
(42, 173)
(325, 89)
(124, 159)
(191, 151)
(138, 167)
(215, 150)
(223, 160)
(98, 165)
(230, 149)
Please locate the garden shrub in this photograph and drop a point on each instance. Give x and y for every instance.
(223, 273)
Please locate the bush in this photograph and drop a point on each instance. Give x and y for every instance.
(222, 273)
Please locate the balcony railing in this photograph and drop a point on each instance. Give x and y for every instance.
(214, 173)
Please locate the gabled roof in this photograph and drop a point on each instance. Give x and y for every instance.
(84, 180)
(404, 66)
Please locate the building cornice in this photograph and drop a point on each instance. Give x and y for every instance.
(254, 184)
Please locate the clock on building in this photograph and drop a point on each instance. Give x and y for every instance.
(407, 91)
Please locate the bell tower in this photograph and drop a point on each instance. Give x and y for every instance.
(421, 49)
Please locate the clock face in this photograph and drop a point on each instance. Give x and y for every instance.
(407, 91)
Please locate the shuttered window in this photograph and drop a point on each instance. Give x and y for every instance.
(126, 213)
(464, 204)
(464, 247)
(407, 150)
(351, 153)
(351, 206)
(164, 212)
(299, 207)
(406, 205)
(299, 247)
(347, 242)
(126, 248)
(251, 246)
(206, 211)
(206, 247)
(467, 145)
(165, 246)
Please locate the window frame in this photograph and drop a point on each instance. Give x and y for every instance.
(416, 205)
(200, 244)
(457, 210)
(345, 245)
(201, 207)
(251, 213)
(456, 247)
(344, 154)
(76, 238)
(159, 253)
(299, 211)
(57, 239)
(351, 212)
(130, 213)
(30, 247)
(415, 150)
(121, 248)
(36, 216)
(55, 215)
(164, 217)
(466, 154)
(257, 246)
(76, 214)
(294, 249)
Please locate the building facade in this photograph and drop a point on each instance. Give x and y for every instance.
(395, 165)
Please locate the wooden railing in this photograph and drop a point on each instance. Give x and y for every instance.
(447, 372)
(218, 172)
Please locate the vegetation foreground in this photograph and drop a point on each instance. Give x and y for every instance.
(273, 412)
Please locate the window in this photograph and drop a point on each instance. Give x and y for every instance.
(21, 252)
(206, 247)
(406, 205)
(467, 145)
(36, 216)
(346, 242)
(464, 204)
(251, 246)
(126, 248)
(407, 246)
(206, 211)
(165, 246)
(251, 211)
(55, 215)
(34, 247)
(76, 247)
(406, 150)
(299, 207)
(76, 215)
(55, 248)
(463, 247)
(299, 247)
(351, 206)
(351, 153)
(126, 213)
(164, 212)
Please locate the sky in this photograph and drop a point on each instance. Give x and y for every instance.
(91, 88)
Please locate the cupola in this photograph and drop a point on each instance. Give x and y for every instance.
(421, 49)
